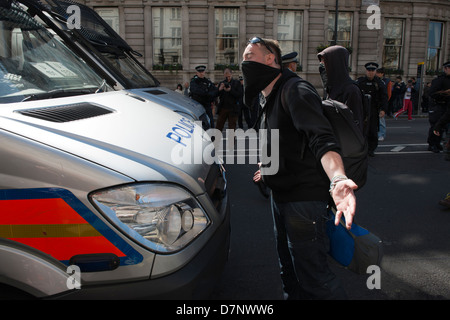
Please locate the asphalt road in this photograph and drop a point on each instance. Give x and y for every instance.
(399, 204)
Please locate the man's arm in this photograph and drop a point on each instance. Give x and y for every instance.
(304, 106)
(436, 87)
(341, 188)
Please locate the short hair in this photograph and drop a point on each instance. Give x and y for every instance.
(275, 46)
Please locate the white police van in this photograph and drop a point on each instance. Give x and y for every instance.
(92, 203)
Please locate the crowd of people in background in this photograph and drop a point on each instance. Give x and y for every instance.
(389, 98)
(222, 100)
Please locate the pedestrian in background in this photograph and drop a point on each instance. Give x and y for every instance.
(309, 159)
(230, 93)
(440, 100)
(372, 85)
(415, 94)
(203, 91)
(186, 89)
(388, 83)
(439, 127)
(407, 101)
(179, 88)
(398, 91)
(442, 125)
(426, 97)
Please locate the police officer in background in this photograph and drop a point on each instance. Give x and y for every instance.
(203, 91)
(290, 61)
(440, 102)
(374, 86)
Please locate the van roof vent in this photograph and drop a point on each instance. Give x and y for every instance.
(66, 113)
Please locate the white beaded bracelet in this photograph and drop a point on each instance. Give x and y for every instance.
(335, 180)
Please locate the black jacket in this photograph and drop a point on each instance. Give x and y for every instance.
(305, 135)
(203, 91)
(230, 100)
(378, 92)
(438, 85)
(398, 89)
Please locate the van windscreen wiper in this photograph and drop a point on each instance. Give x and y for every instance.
(58, 93)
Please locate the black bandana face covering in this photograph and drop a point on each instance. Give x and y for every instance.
(256, 76)
(323, 75)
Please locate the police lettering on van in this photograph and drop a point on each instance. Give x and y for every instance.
(183, 129)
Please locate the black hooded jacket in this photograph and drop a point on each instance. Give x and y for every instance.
(305, 135)
(340, 86)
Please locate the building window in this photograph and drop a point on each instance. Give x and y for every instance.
(392, 43)
(344, 28)
(167, 38)
(227, 37)
(290, 32)
(111, 17)
(434, 46)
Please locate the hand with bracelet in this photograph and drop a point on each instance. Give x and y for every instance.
(341, 190)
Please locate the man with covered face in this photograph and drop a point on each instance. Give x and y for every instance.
(310, 170)
(339, 85)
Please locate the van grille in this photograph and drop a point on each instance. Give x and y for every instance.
(66, 113)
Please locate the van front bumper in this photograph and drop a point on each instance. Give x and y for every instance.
(195, 280)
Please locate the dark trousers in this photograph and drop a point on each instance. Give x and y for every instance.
(227, 115)
(435, 112)
(208, 110)
(302, 247)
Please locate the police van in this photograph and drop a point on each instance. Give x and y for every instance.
(93, 202)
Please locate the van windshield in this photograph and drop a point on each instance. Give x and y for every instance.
(113, 48)
(35, 65)
(136, 77)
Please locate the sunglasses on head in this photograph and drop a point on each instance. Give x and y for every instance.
(259, 40)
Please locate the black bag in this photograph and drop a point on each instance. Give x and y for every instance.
(350, 138)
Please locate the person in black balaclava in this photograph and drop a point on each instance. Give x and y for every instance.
(323, 77)
(339, 85)
(308, 160)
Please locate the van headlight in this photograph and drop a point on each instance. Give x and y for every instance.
(162, 217)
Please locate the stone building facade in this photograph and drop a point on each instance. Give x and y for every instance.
(174, 36)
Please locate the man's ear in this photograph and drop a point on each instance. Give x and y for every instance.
(270, 60)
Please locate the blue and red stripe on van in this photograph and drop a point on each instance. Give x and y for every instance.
(54, 221)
